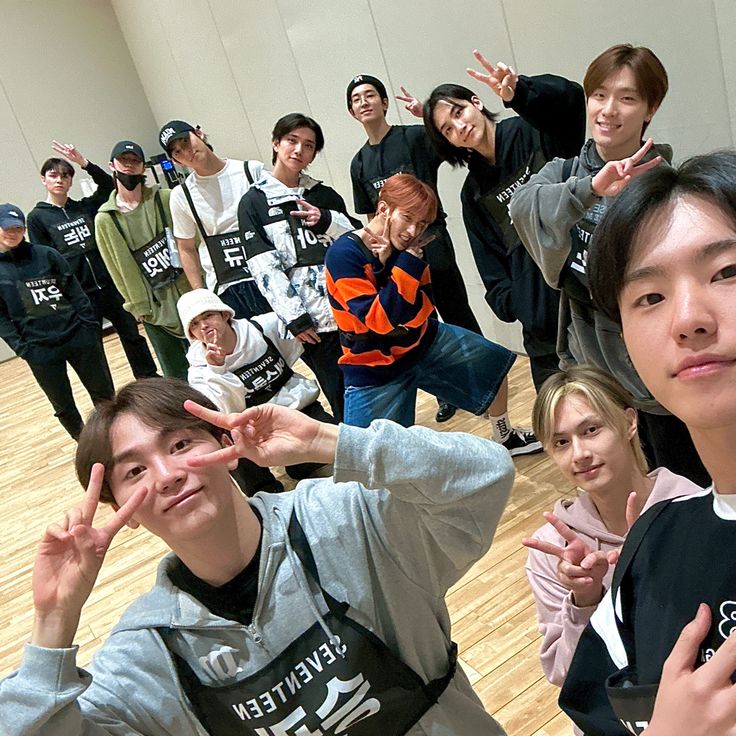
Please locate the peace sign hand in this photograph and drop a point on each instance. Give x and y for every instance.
(615, 176)
(68, 561)
(413, 105)
(580, 569)
(307, 212)
(380, 245)
(268, 435)
(69, 151)
(501, 79)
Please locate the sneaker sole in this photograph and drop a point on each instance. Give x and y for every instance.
(531, 449)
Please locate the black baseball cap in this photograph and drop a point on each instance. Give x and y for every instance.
(366, 79)
(173, 130)
(11, 216)
(122, 147)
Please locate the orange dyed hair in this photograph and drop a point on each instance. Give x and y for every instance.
(406, 192)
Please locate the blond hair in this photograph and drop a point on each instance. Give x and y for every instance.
(605, 395)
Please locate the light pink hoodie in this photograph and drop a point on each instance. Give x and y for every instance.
(561, 622)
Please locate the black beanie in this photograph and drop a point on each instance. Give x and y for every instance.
(366, 79)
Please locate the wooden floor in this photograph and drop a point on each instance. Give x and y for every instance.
(492, 609)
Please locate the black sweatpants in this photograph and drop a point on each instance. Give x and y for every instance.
(90, 364)
(108, 303)
(322, 358)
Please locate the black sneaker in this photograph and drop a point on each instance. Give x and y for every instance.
(522, 442)
(445, 411)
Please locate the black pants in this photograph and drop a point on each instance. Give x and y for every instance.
(90, 365)
(542, 367)
(245, 300)
(322, 358)
(667, 443)
(448, 287)
(253, 478)
(108, 303)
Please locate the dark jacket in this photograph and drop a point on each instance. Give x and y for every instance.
(42, 306)
(550, 123)
(71, 230)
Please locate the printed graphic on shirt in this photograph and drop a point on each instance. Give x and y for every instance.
(265, 377)
(42, 297)
(77, 235)
(496, 201)
(154, 262)
(228, 257)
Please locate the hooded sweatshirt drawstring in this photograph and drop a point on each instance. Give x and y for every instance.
(304, 587)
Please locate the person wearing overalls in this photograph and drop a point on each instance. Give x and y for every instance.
(315, 612)
(663, 268)
(556, 214)
(133, 230)
(204, 207)
(393, 149)
(501, 156)
(67, 225)
(238, 363)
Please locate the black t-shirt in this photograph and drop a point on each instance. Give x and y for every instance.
(404, 149)
(236, 599)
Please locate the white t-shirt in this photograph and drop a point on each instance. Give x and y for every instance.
(216, 199)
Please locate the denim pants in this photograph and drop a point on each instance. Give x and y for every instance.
(460, 367)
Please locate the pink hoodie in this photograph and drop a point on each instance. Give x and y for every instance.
(561, 622)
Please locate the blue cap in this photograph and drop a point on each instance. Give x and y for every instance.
(11, 216)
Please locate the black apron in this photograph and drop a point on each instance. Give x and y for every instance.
(633, 703)
(352, 684)
(78, 236)
(226, 251)
(309, 248)
(153, 258)
(42, 297)
(263, 378)
(496, 201)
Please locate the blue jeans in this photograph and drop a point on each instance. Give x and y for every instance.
(245, 300)
(460, 367)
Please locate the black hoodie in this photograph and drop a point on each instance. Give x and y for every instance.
(42, 306)
(550, 122)
(71, 230)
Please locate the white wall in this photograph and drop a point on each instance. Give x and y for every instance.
(93, 71)
(235, 66)
(65, 73)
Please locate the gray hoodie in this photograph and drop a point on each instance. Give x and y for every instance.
(411, 511)
(544, 211)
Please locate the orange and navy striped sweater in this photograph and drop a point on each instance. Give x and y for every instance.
(382, 311)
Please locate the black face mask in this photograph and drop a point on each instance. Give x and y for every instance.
(129, 181)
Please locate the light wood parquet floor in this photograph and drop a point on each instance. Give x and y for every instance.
(492, 610)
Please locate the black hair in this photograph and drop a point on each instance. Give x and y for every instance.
(295, 120)
(710, 176)
(449, 93)
(156, 402)
(57, 164)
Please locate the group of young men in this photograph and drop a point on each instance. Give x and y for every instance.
(322, 611)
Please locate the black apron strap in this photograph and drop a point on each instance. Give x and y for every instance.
(633, 541)
(160, 208)
(434, 688)
(197, 219)
(248, 174)
(118, 226)
(567, 168)
(300, 545)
